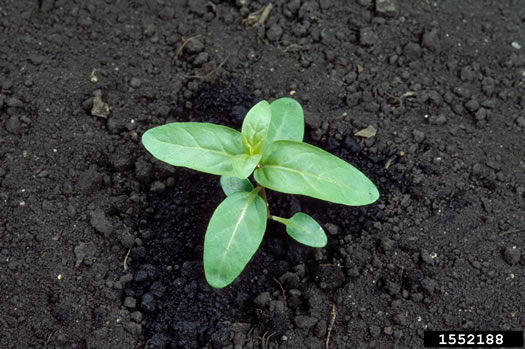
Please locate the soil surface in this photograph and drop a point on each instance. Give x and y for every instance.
(101, 245)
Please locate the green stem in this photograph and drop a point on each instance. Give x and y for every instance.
(257, 189)
(279, 219)
(262, 191)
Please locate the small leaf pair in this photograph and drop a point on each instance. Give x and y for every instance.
(270, 145)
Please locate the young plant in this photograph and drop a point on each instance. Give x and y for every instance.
(270, 145)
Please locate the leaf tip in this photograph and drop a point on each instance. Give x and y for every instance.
(145, 137)
(373, 193)
(214, 278)
(217, 283)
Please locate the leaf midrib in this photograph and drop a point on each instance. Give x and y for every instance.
(308, 174)
(224, 152)
(278, 129)
(236, 228)
(204, 149)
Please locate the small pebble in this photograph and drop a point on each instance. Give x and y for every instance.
(332, 229)
(135, 82)
(262, 299)
(7, 85)
(481, 114)
(429, 285)
(512, 255)
(368, 37)
(35, 59)
(438, 119)
(466, 73)
(375, 331)
(412, 50)
(149, 30)
(387, 244)
(198, 7)
(431, 41)
(143, 171)
(426, 257)
(89, 181)
(419, 136)
(472, 105)
(320, 329)
(303, 321)
(124, 279)
(400, 319)
(127, 240)
(28, 82)
(130, 302)
(476, 264)
(136, 316)
(294, 5)
(201, 59)
(325, 4)
(194, 46)
(157, 187)
(275, 32)
(14, 103)
(84, 251)
(100, 222)
(148, 303)
(388, 8)
(13, 125)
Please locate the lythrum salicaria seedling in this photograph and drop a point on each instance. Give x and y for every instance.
(270, 145)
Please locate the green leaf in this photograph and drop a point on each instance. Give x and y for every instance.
(233, 236)
(200, 146)
(304, 229)
(301, 168)
(244, 164)
(232, 185)
(255, 128)
(287, 121)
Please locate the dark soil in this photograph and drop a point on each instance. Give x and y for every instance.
(101, 245)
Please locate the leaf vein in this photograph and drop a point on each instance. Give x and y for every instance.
(306, 174)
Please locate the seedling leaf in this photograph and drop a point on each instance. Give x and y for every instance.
(244, 164)
(270, 146)
(255, 128)
(304, 229)
(233, 236)
(232, 185)
(203, 147)
(301, 168)
(287, 121)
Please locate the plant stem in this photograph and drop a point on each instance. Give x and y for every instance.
(258, 188)
(262, 193)
(279, 219)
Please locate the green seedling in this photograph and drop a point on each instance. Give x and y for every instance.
(270, 145)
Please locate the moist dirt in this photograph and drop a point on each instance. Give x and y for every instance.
(101, 245)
